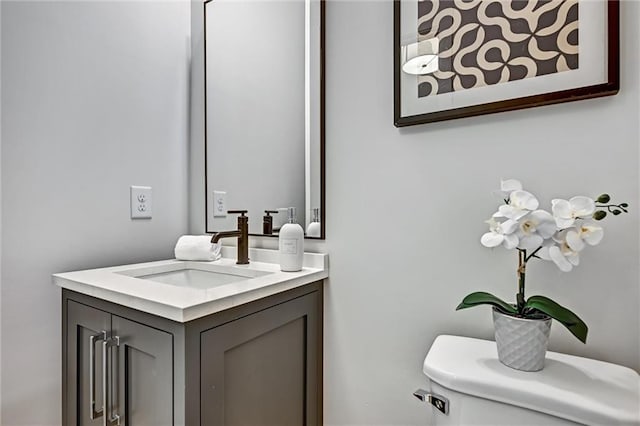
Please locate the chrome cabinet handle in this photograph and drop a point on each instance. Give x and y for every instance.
(110, 415)
(93, 413)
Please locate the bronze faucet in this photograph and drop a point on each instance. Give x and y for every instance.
(242, 234)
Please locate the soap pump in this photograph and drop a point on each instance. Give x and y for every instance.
(267, 222)
(291, 243)
(313, 229)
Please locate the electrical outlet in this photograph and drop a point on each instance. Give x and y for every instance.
(141, 202)
(219, 204)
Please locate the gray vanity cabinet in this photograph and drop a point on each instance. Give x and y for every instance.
(82, 323)
(136, 361)
(255, 369)
(259, 363)
(144, 374)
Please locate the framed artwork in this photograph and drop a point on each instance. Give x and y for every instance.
(462, 58)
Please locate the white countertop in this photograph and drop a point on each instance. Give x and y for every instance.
(184, 304)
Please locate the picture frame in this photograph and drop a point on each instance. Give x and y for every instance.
(452, 62)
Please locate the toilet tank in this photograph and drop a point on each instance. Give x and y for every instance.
(466, 374)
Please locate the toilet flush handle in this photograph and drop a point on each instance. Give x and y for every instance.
(440, 402)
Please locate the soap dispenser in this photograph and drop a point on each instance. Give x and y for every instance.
(291, 243)
(313, 229)
(267, 222)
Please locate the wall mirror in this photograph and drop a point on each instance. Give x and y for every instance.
(264, 113)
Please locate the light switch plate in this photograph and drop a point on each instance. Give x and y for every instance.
(219, 204)
(141, 202)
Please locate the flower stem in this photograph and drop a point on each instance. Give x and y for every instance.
(527, 258)
(611, 207)
(522, 265)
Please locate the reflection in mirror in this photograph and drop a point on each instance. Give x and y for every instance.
(264, 106)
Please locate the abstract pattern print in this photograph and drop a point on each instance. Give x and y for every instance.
(487, 42)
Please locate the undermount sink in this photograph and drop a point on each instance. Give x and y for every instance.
(196, 276)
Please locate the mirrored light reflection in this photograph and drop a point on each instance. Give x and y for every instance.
(420, 58)
(425, 64)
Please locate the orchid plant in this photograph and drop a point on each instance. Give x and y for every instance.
(559, 237)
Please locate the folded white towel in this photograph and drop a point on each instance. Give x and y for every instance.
(197, 247)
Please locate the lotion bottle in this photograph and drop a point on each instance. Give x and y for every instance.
(313, 229)
(291, 244)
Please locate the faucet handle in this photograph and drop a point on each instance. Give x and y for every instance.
(240, 212)
(267, 222)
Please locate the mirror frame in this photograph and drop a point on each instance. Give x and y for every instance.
(323, 208)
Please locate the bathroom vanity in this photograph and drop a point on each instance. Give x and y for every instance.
(194, 343)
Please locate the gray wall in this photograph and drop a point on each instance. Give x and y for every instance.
(397, 277)
(95, 99)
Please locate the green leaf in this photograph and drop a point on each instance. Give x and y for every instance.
(574, 324)
(616, 212)
(599, 215)
(624, 205)
(604, 198)
(483, 298)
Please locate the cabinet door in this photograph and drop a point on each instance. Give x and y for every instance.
(82, 322)
(262, 369)
(144, 378)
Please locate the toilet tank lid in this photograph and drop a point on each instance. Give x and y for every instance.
(570, 387)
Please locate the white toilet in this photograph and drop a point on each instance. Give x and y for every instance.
(469, 386)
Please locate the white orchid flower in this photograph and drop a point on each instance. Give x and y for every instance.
(566, 212)
(591, 233)
(501, 233)
(508, 186)
(561, 250)
(520, 203)
(564, 257)
(588, 232)
(534, 228)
